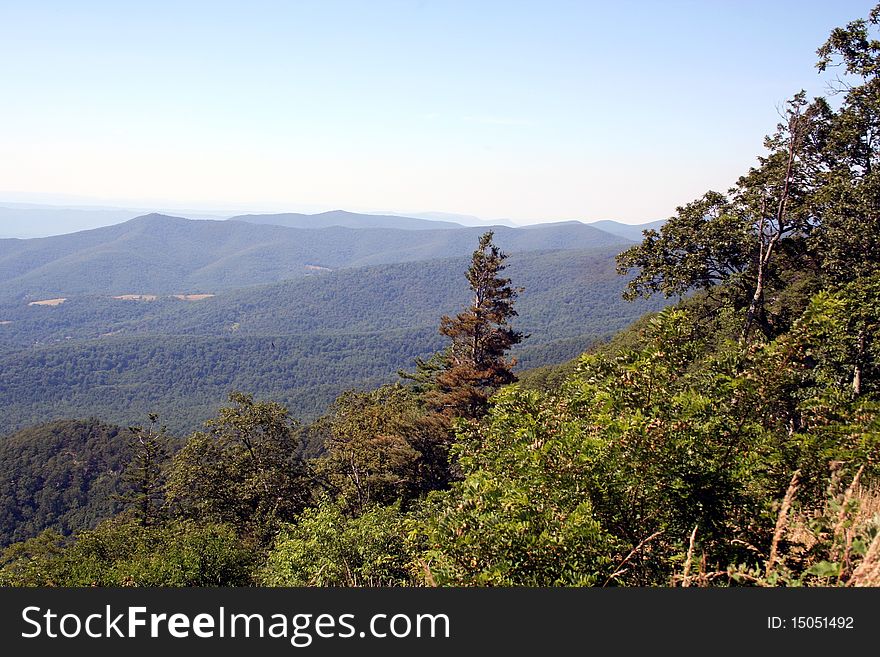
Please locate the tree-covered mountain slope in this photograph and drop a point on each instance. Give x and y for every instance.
(301, 341)
(185, 378)
(157, 254)
(565, 294)
(64, 475)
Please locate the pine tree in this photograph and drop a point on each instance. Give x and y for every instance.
(143, 476)
(475, 364)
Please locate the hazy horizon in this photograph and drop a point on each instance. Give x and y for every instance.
(72, 218)
(530, 112)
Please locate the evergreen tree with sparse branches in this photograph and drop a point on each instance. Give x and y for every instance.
(475, 364)
(143, 477)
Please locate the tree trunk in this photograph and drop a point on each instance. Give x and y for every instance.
(857, 370)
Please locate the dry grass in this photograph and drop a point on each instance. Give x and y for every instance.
(868, 571)
(428, 575)
(621, 567)
(841, 538)
(686, 571)
(48, 302)
(852, 513)
(867, 513)
(868, 504)
(782, 522)
(845, 527)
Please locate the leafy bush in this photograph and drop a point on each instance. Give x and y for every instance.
(120, 552)
(327, 548)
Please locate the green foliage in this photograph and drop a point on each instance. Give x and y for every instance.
(326, 547)
(64, 475)
(677, 451)
(301, 343)
(848, 238)
(520, 516)
(121, 552)
(840, 326)
(641, 446)
(549, 377)
(372, 447)
(242, 470)
(705, 244)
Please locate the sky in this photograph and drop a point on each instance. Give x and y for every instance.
(531, 111)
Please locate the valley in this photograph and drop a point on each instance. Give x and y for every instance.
(153, 344)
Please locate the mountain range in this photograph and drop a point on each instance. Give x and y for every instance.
(29, 220)
(346, 220)
(156, 254)
(166, 314)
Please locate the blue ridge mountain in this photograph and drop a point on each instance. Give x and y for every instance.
(163, 254)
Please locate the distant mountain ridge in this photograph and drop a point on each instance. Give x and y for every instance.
(34, 220)
(29, 221)
(346, 220)
(163, 254)
(628, 231)
(428, 221)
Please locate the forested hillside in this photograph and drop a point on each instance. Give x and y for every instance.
(566, 294)
(300, 342)
(157, 254)
(185, 378)
(732, 439)
(64, 475)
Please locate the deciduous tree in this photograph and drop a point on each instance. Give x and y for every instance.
(243, 469)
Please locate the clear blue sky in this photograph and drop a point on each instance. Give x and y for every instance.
(539, 110)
